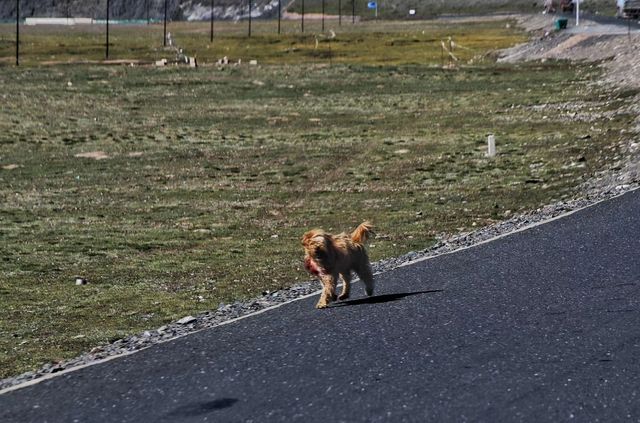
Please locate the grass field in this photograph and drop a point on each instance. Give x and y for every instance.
(175, 189)
(394, 42)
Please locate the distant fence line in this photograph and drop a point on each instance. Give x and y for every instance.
(156, 9)
(68, 20)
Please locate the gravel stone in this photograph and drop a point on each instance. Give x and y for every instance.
(186, 320)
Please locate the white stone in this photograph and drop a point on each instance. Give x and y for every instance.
(186, 320)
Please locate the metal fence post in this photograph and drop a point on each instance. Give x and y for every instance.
(353, 11)
(212, 5)
(17, 32)
(164, 41)
(107, 46)
(250, 10)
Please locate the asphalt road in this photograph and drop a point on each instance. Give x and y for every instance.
(542, 325)
(609, 20)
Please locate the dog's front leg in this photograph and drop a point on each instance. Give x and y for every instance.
(328, 290)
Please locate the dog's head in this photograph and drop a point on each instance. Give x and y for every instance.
(317, 246)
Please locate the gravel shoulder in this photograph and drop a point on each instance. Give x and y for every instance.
(609, 46)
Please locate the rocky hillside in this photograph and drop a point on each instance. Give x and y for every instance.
(139, 9)
(236, 9)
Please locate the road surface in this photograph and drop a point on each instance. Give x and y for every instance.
(541, 325)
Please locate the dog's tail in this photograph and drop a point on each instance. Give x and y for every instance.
(362, 233)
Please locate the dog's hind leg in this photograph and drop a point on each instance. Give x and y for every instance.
(346, 286)
(328, 290)
(366, 275)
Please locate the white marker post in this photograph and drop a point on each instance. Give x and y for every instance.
(491, 145)
(577, 12)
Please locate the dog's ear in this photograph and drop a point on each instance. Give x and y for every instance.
(306, 238)
(320, 239)
(314, 237)
(323, 248)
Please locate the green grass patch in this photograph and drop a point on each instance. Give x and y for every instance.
(207, 178)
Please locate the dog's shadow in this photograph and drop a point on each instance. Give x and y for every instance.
(380, 299)
(201, 408)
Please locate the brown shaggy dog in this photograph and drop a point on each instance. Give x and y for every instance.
(331, 256)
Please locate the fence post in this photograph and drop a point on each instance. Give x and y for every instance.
(353, 11)
(17, 32)
(107, 46)
(212, 5)
(164, 40)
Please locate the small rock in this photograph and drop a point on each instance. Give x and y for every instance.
(81, 281)
(186, 320)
